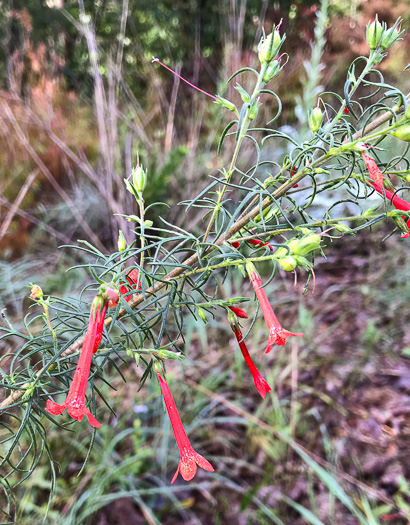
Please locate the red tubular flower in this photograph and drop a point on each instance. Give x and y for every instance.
(346, 111)
(189, 458)
(277, 334)
(398, 203)
(374, 170)
(238, 312)
(236, 244)
(75, 400)
(258, 242)
(260, 383)
(132, 279)
(293, 172)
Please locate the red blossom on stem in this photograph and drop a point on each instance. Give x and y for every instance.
(189, 458)
(238, 312)
(374, 170)
(255, 242)
(398, 203)
(260, 383)
(277, 334)
(132, 279)
(346, 111)
(75, 400)
(292, 173)
(258, 242)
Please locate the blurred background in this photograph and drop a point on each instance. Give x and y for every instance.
(79, 98)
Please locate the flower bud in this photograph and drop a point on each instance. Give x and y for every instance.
(400, 222)
(315, 119)
(371, 210)
(225, 103)
(166, 354)
(281, 252)
(253, 110)
(139, 178)
(201, 315)
(403, 132)
(122, 244)
(112, 298)
(271, 71)
(388, 185)
(36, 292)
(148, 223)
(342, 228)
(390, 37)
(307, 244)
(244, 94)
(374, 34)
(288, 263)
(268, 48)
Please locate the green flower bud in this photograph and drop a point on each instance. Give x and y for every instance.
(281, 252)
(225, 103)
(288, 263)
(371, 210)
(388, 185)
(201, 315)
(292, 244)
(139, 178)
(253, 110)
(307, 244)
(244, 94)
(166, 354)
(302, 261)
(271, 71)
(269, 47)
(315, 119)
(400, 222)
(389, 38)
(342, 228)
(122, 244)
(235, 300)
(374, 34)
(148, 223)
(403, 132)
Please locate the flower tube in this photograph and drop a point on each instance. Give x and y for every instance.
(75, 400)
(189, 458)
(277, 334)
(260, 383)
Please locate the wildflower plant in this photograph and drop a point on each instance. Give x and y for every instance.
(262, 213)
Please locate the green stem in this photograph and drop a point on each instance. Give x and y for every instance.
(244, 128)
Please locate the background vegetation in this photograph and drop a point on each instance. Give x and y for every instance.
(79, 98)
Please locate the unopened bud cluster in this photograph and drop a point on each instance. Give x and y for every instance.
(268, 50)
(378, 35)
(296, 250)
(139, 181)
